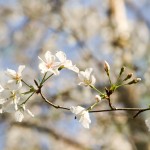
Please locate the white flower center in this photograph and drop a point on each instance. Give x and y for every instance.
(49, 65)
(17, 77)
(87, 81)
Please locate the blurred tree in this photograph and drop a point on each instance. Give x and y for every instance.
(89, 31)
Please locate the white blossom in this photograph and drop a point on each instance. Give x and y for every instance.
(147, 122)
(9, 100)
(49, 65)
(9, 97)
(19, 114)
(1, 88)
(82, 115)
(106, 66)
(15, 77)
(2, 100)
(86, 77)
(98, 98)
(65, 62)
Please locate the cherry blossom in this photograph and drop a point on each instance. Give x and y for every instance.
(9, 97)
(106, 66)
(19, 114)
(98, 98)
(49, 65)
(15, 77)
(147, 122)
(86, 77)
(65, 62)
(82, 115)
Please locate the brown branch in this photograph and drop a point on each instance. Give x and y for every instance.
(112, 108)
(51, 132)
(109, 92)
(110, 104)
(50, 103)
(139, 110)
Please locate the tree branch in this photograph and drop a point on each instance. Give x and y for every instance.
(50, 103)
(110, 104)
(112, 108)
(139, 110)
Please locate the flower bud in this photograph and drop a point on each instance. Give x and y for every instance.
(136, 80)
(61, 67)
(122, 70)
(36, 83)
(106, 66)
(23, 106)
(98, 98)
(128, 76)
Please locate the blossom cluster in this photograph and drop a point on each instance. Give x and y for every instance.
(54, 63)
(12, 98)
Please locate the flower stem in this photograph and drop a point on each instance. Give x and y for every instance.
(43, 78)
(93, 87)
(27, 99)
(48, 77)
(26, 83)
(121, 85)
(109, 78)
(92, 106)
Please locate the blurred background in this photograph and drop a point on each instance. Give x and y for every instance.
(89, 32)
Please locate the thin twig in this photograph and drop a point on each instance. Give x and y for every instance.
(110, 104)
(93, 87)
(50, 103)
(43, 78)
(26, 83)
(139, 110)
(47, 78)
(28, 98)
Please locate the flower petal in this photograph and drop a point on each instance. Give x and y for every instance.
(147, 122)
(1, 88)
(76, 110)
(82, 84)
(84, 119)
(81, 75)
(20, 69)
(49, 57)
(93, 80)
(43, 68)
(2, 101)
(61, 56)
(88, 72)
(98, 98)
(19, 116)
(30, 113)
(41, 59)
(11, 73)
